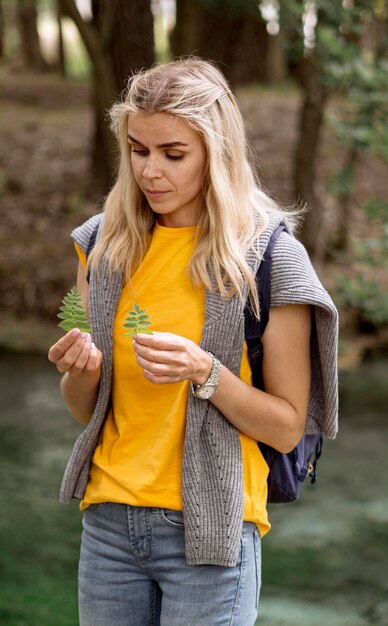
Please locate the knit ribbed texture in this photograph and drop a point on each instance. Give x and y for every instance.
(295, 280)
(212, 473)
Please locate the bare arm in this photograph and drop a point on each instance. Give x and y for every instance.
(76, 356)
(278, 415)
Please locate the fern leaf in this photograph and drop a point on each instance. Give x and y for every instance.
(72, 313)
(137, 321)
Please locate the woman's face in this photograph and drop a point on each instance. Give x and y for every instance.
(169, 161)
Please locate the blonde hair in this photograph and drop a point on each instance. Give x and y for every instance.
(235, 206)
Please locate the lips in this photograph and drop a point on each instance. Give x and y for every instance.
(155, 194)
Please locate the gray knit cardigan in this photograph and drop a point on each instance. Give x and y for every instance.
(212, 472)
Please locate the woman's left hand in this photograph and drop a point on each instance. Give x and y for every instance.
(167, 358)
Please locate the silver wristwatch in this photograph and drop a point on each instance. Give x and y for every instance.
(209, 388)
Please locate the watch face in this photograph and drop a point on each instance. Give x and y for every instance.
(205, 392)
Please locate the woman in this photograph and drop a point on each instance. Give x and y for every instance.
(171, 480)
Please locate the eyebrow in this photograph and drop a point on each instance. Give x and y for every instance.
(169, 144)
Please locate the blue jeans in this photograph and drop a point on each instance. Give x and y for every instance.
(133, 572)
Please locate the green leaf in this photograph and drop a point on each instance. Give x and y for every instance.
(137, 321)
(73, 313)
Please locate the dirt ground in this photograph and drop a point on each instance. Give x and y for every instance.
(46, 125)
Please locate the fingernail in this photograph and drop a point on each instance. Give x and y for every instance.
(75, 332)
(84, 335)
(93, 346)
(89, 337)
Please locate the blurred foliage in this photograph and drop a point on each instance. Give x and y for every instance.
(353, 64)
(363, 292)
(368, 301)
(360, 122)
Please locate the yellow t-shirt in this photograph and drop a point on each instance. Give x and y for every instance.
(138, 459)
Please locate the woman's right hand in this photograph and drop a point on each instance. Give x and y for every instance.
(76, 354)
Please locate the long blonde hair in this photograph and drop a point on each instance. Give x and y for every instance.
(236, 208)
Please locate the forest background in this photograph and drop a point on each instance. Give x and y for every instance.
(311, 79)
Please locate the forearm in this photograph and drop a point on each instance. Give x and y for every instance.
(80, 394)
(260, 415)
(277, 416)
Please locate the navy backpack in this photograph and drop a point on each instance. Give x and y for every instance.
(286, 471)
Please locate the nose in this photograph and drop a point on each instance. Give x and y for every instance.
(152, 168)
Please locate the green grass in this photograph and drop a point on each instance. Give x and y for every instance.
(39, 537)
(40, 543)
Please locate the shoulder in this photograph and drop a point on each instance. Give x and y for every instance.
(82, 234)
(293, 277)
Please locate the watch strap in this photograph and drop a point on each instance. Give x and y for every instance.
(214, 377)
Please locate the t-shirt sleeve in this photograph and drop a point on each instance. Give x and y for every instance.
(81, 255)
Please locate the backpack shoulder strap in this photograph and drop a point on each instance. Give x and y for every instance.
(90, 247)
(263, 278)
(254, 328)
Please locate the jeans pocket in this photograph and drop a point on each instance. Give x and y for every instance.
(257, 546)
(171, 518)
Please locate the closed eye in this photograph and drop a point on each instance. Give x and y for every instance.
(172, 157)
(141, 152)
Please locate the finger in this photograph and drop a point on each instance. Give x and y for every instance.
(94, 360)
(160, 341)
(160, 369)
(173, 357)
(82, 358)
(58, 350)
(159, 380)
(71, 355)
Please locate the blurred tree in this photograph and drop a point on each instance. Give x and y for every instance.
(360, 121)
(126, 35)
(29, 37)
(230, 32)
(183, 38)
(1, 30)
(307, 68)
(119, 40)
(360, 294)
(325, 40)
(61, 47)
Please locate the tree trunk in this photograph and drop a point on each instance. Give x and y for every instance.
(126, 35)
(184, 35)
(1, 30)
(29, 37)
(277, 70)
(104, 92)
(61, 47)
(310, 124)
(235, 39)
(344, 202)
(119, 41)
